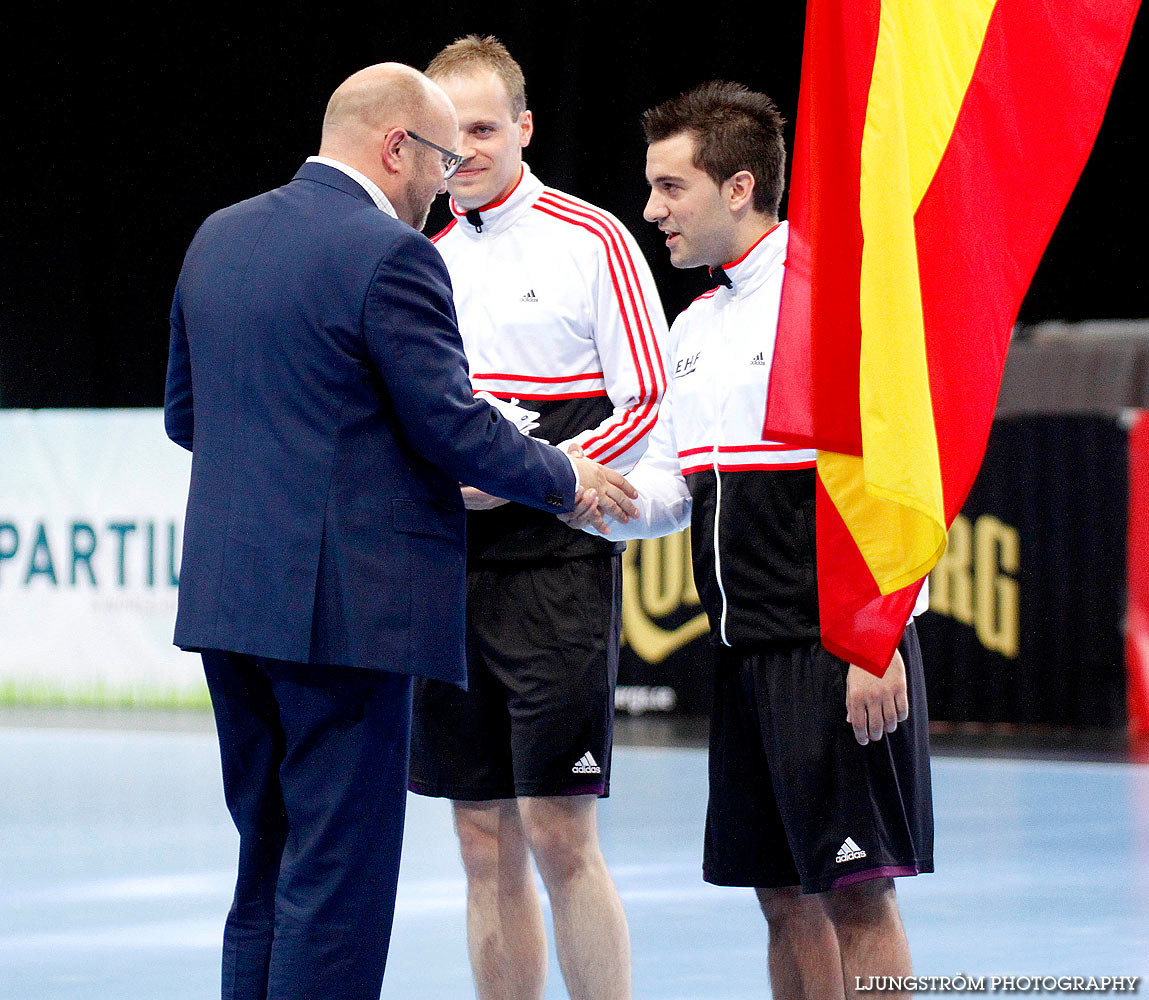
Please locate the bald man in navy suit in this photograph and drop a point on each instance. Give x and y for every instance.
(317, 376)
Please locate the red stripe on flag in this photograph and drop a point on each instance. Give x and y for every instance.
(1022, 157)
(854, 617)
(825, 236)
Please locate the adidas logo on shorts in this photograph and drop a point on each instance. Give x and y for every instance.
(849, 851)
(586, 765)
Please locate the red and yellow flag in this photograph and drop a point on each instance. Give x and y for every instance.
(937, 145)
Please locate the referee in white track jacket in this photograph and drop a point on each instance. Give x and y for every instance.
(562, 325)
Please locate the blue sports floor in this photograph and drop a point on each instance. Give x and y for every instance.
(117, 854)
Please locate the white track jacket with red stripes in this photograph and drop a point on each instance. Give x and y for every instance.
(559, 313)
(556, 302)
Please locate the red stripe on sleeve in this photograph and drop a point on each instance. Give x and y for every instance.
(616, 230)
(636, 423)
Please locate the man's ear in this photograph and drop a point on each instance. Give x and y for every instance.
(526, 128)
(391, 150)
(740, 190)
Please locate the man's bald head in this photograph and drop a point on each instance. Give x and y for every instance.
(378, 98)
(367, 124)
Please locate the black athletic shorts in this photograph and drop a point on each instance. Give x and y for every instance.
(794, 799)
(542, 663)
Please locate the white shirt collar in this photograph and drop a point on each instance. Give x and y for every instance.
(365, 182)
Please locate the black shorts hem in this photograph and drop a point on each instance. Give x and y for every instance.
(600, 789)
(879, 871)
(825, 883)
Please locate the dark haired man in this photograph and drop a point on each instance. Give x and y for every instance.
(560, 315)
(815, 811)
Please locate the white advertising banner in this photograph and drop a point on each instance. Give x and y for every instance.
(91, 527)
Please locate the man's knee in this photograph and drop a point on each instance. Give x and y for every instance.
(871, 902)
(488, 834)
(561, 833)
(789, 906)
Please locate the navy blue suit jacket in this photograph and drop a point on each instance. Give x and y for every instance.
(317, 375)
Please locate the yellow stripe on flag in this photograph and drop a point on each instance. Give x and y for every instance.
(891, 498)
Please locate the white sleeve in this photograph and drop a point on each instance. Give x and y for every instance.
(663, 498)
(630, 337)
(923, 601)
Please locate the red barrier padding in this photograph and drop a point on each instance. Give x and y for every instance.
(1137, 614)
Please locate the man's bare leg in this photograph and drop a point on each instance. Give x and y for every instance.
(871, 938)
(803, 949)
(591, 935)
(505, 933)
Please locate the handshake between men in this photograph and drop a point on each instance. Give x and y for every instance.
(602, 492)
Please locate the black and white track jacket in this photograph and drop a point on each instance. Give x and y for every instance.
(750, 503)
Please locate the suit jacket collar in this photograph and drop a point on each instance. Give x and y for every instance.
(333, 177)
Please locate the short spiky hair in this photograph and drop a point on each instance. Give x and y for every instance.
(734, 128)
(482, 52)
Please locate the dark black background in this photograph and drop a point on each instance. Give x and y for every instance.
(126, 124)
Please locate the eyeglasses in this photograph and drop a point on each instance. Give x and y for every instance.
(451, 161)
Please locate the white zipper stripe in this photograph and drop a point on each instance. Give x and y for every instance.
(718, 556)
(716, 437)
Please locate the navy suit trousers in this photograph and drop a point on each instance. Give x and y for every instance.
(315, 775)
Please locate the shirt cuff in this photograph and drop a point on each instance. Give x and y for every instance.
(574, 469)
